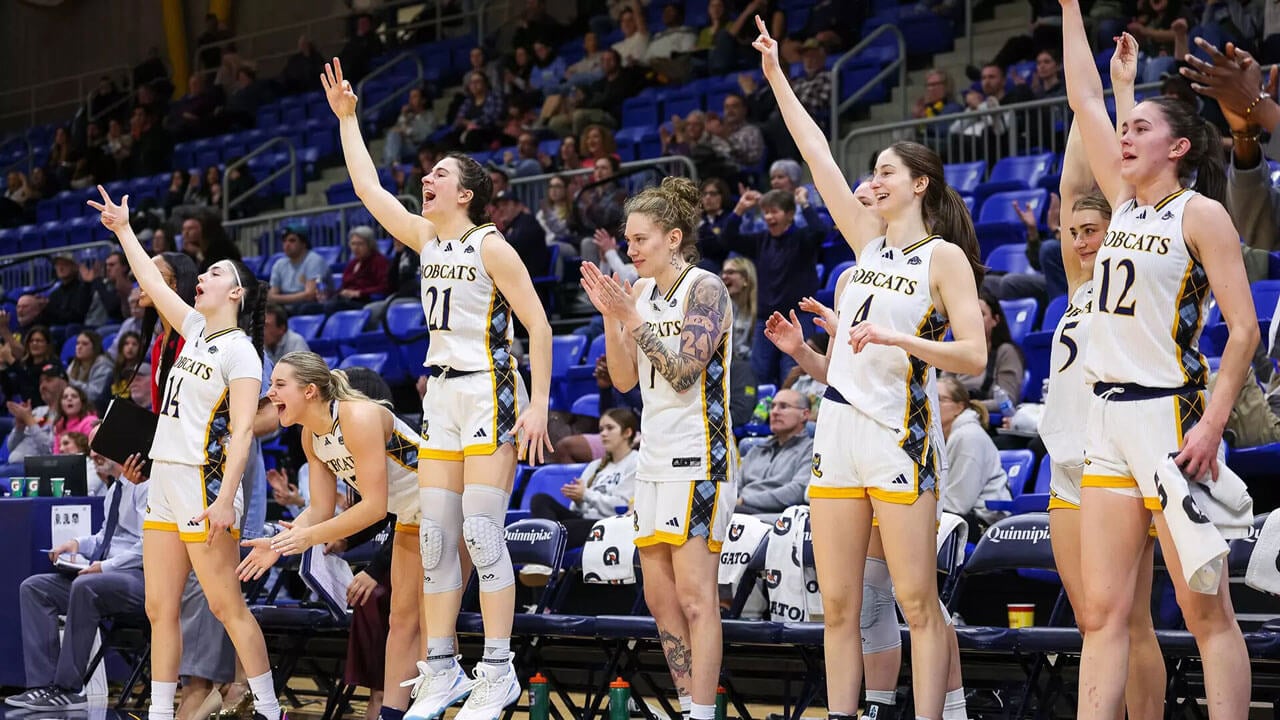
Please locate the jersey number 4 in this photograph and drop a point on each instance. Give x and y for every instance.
(1121, 306)
(437, 308)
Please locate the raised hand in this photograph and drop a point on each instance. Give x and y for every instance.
(1232, 77)
(114, 217)
(1124, 63)
(1026, 213)
(786, 334)
(609, 296)
(342, 99)
(768, 48)
(824, 317)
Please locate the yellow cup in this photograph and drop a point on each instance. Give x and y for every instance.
(1022, 615)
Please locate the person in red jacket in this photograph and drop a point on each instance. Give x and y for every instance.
(365, 276)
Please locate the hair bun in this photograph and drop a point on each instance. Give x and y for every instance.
(681, 189)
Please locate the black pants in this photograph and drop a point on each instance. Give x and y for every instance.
(548, 508)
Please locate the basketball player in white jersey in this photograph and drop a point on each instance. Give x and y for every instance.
(199, 453)
(350, 437)
(671, 335)
(1166, 248)
(1086, 215)
(475, 421)
(910, 283)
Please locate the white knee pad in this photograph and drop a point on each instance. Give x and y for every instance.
(484, 510)
(438, 535)
(879, 619)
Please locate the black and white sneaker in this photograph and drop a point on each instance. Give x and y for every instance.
(58, 699)
(22, 699)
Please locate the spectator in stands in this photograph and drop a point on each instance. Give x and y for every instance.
(210, 52)
(414, 125)
(634, 44)
(1045, 31)
(277, 339)
(556, 213)
(90, 368)
(69, 301)
(29, 311)
(152, 72)
(1047, 79)
(161, 241)
(980, 139)
(610, 259)
(570, 158)
(522, 231)
(938, 99)
(194, 112)
(111, 585)
(804, 383)
(746, 141)
(501, 181)
(302, 68)
(775, 474)
(247, 94)
(599, 103)
(225, 78)
(812, 87)
(1044, 256)
(477, 123)
(585, 447)
(731, 48)
(974, 473)
(33, 422)
(132, 323)
(405, 279)
(536, 24)
(588, 69)
(205, 240)
(1152, 27)
(39, 187)
(361, 48)
(600, 206)
(130, 372)
(790, 254)
(597, 142)
(606, 484)
(20, 379)
(151, 149)
(517, 75)
(527, 160)
(710, 153)
(13, 203)
(834, 23)
(75, 413)
(110, 303)
(717, 22)
(176, 194)
(364, 278)
(1253, 420)
(715, 192)
(61, 156)
(784, 175)
(668, 51)
(427, 157)
(741, 280)
(297, 278)
(547, 75)
(1005, 361)
(118, 145)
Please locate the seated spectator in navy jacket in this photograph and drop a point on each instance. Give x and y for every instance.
(789, 255)
(523, 232)
(69, 301)
(715, 193)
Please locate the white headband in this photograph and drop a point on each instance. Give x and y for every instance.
(235, 273)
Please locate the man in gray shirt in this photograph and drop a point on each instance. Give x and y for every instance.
(111, 585)
(775, 475)
(277, 339)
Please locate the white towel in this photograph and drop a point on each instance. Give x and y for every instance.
(1226, 503)
(744, 535)
(1264, 563)
(609, 553)
(792, 588)
(1201, 546)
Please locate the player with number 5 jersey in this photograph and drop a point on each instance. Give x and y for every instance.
(1166, 248)
(475, 421)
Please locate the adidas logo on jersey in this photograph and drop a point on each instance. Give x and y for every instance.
(448, 248)
(328, 441)
(914, 260)
(1142, 215)
(673, 522)
(480, 434)
(901, 480)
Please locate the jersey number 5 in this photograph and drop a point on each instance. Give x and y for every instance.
(437, 308)
(1119, 307)
(1072, 348)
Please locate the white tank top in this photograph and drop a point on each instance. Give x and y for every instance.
(401, 454)
(468, 318)
(687, 435)
(194, 425)
(1150, 300)
(1067, 407)
(890, 287)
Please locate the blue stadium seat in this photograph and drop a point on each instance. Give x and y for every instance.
(639, 112)
(330, 253)
(580, 379)
(1020, 315)
(999, 224)
(586, 405)
(1021, 172)
(81, 230)
(340, 325)
(566, 351)
(965, 177)
(1053, 312)
(1036, 348)
(1009, 259)
(827, 294)
(405, 317)
(375, 361)
(253, 262)
(681, 103)
(308, 326)
(1017, 465)
(1044, 475)
(68, 350)
(53, 234)
(549, 479)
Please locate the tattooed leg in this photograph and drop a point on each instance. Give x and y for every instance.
(679, 660)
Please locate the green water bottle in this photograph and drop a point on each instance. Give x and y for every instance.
(539, 700)
(722, 703)
(619, 700)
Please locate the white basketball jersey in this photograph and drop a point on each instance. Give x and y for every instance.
(401, 454)
(890, 287)
(689, 435)
(195, 410)
(1150, 300)
(1067, 407)
(468, 318)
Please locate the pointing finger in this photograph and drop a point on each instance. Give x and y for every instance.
(760, 24)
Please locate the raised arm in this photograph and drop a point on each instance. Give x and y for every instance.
(1076, 182)
(410, 229)
(849, 214)
(512, 280)
(116, 219)
(1084, 93)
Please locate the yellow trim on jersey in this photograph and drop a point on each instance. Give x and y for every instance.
(1151, 531)
(676, 285)
(203, 536)
(1152, 504)
(837, 493)
(432, 454)
(917, 245)
(659, 538)
(220, 333)
(404, 529)
(479, 449)
(1168, 198)
(1057, 503)
(157, 525)
(1108, 481)
(469, 232)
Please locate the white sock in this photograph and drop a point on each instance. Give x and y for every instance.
(884, 697)
(497, 651)
(265, 701)
(162, 700)
(440, 654)
(953, 705)
(702, 712)
(686, 702)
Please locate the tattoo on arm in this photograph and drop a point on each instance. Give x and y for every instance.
(706, 319)
(679, 660)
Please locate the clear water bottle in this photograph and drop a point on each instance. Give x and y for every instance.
(761, 413)
(1002, 399)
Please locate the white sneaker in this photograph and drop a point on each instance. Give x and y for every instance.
(435, 692)
(494, 688)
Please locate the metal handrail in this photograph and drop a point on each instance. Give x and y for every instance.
(533, 196)
(1003, 111)
(291, 168)
(78, 79)
(235, 227)
(372, 110)
(9, 261)
(900, 64)
(124, 99)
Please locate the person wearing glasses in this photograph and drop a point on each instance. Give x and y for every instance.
(711, 224)
(775, 474)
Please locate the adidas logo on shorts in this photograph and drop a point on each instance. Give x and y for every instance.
(901, 480)
(673, 522)
(480, 433)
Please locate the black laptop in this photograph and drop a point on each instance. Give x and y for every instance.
(71, 468)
